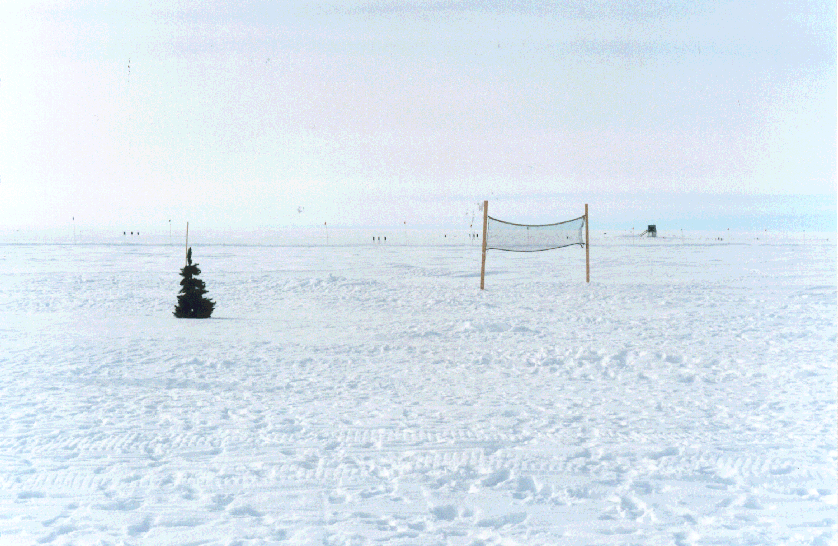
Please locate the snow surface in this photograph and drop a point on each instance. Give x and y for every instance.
(374, 395)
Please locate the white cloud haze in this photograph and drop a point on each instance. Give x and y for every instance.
(236, 114)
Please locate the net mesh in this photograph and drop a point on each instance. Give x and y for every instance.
(502, 235)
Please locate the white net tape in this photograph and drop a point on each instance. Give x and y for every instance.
(534, 238)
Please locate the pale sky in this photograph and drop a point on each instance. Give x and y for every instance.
(244, 114)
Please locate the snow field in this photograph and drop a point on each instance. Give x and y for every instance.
(375, 395)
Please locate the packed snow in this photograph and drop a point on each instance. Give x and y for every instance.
(373, 394)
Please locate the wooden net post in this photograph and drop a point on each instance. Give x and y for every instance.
(587, 248)
(483, 259)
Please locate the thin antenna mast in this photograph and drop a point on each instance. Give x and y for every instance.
(587, 248)
(483, 259)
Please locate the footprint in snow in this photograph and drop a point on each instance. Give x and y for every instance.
(526, 487)
(219, 502)
(245, 510)
(140, 528)
(63, 530)
(446, 512)
(667, 452)
(513, 518)
(495, 478)
(23, 495)
(120, 505)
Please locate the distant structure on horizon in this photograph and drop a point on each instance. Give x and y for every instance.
(651, 231)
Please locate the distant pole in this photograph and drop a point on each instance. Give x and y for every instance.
(327, 232)
(587, 248)
(186, 257)
(483, 259)
(170, 231)
(74, 230)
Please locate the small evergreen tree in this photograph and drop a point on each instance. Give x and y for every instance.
(191, 302)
